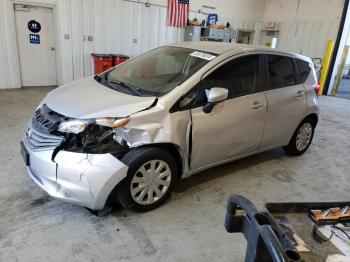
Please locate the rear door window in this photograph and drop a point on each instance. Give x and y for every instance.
(240, 76)
(304, 69)
(281, 71)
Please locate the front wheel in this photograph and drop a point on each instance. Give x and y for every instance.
(302, 138)
(151, 178)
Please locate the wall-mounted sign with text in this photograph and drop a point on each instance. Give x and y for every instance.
(34, 26)
(34, 39)
(212, 19)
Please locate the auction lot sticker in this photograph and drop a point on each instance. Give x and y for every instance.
(203, 55)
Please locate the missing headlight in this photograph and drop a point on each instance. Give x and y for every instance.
(95, 139)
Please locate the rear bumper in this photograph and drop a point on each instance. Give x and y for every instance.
(83, 179)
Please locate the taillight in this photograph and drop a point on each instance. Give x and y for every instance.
(317, 87)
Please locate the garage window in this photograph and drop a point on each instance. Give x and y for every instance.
(281, 71)
(304, 70)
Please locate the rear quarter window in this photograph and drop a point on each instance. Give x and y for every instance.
(304, 70)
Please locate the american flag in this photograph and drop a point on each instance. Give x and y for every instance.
(178, 11)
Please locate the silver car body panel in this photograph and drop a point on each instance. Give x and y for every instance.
(231, 131)
(82, 179)
(85, 99)
(283, 104)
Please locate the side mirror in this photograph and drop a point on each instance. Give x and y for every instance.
(215, 96)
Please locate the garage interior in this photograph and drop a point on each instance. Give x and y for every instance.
(190, 226)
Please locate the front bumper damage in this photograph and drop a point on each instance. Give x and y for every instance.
(79, 178)
(84, 168)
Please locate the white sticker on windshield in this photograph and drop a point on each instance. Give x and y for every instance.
(202, 55)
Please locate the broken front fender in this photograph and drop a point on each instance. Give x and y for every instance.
(158, 126)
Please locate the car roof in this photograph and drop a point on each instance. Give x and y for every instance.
(220, 48)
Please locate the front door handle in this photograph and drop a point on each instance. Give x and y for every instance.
(257, 106)
(300, 93)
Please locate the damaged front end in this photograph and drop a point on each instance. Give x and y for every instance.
(80, 160)
(79, 136)
(81, 167)
(94, 139)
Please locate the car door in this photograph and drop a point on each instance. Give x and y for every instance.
(235, 126)
(286, 100)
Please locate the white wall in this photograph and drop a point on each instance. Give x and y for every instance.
(237, 9)
(115, 26)
(305, 25)
(307, 38)
(308, 10)
(9, 69)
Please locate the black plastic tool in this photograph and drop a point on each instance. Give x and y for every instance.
(266, 240)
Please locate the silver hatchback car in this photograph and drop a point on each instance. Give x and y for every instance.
(130, 133)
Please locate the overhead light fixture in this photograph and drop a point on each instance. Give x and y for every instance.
(209, 7)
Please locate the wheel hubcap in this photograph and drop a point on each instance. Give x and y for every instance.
(304, 136)
(150, 182)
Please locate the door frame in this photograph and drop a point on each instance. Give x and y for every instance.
(261, 71)
(56, 37)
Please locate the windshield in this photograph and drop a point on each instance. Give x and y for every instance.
(157, 72)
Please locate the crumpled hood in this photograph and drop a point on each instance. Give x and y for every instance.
(84, 99)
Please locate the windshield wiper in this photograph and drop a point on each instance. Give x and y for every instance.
(98, 78)
(133, 89)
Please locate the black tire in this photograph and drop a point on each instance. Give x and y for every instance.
(135, 159)
(291, 148)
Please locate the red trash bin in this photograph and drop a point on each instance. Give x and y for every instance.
(102, 62)
(118, 59)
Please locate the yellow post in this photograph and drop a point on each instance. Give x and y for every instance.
(326, 63)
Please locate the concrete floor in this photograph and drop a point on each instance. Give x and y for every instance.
(35, 227)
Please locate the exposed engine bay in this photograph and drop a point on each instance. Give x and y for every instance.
(94, 139)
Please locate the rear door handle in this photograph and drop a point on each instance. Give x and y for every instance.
(257, 106)
(300, 93)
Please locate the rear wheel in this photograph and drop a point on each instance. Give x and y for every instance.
(151, 178)
(302, 138)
